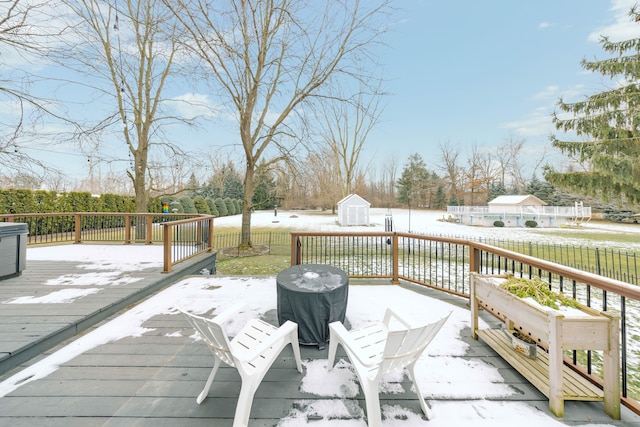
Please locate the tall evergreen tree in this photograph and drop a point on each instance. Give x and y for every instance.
(413, 184)
(541, 189)
(440, 200)
(496, 189)
(610, 121)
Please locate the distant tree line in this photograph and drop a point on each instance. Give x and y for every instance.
(422, 188)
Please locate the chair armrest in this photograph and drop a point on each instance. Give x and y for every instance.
(390, 313)
(344, 338)
(280, 333)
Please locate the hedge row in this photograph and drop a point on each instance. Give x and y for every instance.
(17, 201)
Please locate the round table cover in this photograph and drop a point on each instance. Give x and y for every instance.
(312, 295)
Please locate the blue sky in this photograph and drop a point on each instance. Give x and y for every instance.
(464, 73)
(472, 72)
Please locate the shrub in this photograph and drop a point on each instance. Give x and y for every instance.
(530, 223)
(187, 205)
(201, 205)
(231, 209)
(222, 208)
(212, 206)
(498, 224)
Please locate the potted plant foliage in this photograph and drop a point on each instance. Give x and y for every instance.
(538, 290)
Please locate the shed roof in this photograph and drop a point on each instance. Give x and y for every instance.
(353, 198)
(517, 200)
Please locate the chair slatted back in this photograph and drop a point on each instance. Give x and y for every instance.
(370, 341)
(214, 335)
(404, 347)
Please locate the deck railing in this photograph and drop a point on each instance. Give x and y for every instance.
(438, 262)
(445, 264)
(186, 238)
(183, 235)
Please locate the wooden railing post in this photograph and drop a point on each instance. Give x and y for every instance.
(296, 250)
(210, 235)
(149, 231)
(199, 232)
(394, 247)
(474, 259)
(166, 228)
(127, 229)
(78, 228)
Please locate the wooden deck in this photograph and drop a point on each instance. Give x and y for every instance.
(152, 380)
(28, 330)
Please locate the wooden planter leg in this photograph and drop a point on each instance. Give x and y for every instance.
(611, 368)
(556, 398)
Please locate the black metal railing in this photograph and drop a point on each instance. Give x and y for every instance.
(446, 263)
(610, 262)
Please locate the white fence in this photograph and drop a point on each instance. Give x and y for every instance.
(517, 216)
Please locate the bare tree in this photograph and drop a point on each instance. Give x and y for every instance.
(472, 174)
(22, 40)
(479, 173)
(347, 124)
(503, 160)
(514, 147)
(272, 59)
(129, 50)
(389, 171)
(323, 172)
(450, 165)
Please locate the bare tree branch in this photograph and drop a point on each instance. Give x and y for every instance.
(271, 59)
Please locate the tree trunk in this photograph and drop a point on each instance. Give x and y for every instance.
(142, 201)
(247, 207)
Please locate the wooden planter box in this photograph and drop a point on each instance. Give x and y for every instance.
(573, 329)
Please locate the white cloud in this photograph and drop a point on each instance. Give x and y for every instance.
(574, 92)
(550, 91)
(623, 28)
(194, 105)
(536, 123)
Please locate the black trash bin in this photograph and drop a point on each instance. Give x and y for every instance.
(13, 249)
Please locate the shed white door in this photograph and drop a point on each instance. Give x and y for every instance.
(355, 215)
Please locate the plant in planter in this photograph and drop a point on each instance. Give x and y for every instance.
(538, 290)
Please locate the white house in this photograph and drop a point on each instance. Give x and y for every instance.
(517, 210)
(353, 210)
(515, 204)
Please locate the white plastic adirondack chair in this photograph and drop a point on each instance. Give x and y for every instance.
(375, 350)
(252, 352)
